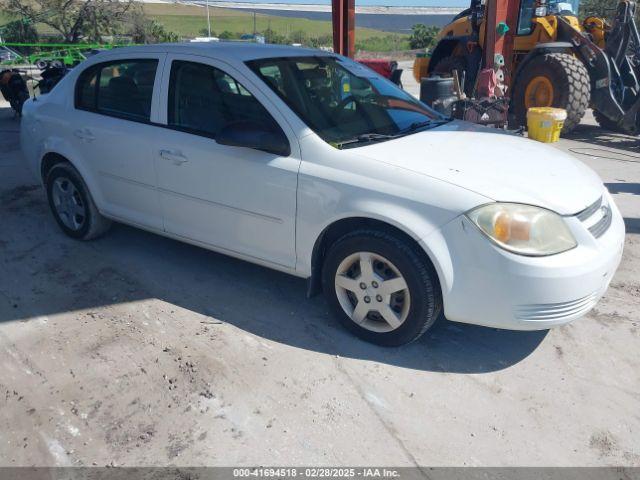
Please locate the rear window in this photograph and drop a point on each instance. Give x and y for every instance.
(122, 88)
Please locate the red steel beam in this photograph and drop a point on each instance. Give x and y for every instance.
(500, 11)
(344, 21)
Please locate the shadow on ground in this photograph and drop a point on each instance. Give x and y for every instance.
(617, 188)
(600, 137)
(49, 273)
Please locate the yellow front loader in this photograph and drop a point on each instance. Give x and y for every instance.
(558, 61)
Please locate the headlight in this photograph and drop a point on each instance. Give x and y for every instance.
(524, 229)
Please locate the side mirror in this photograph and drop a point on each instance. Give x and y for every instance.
(253, 135)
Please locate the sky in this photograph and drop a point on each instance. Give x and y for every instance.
(391, 3)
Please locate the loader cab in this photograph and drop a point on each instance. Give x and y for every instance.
(530, 9)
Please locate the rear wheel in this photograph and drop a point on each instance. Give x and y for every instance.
(381, 288)
(554, 80)
(72, 205)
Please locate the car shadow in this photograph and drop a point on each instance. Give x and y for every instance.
(130, 265)
(43, 272)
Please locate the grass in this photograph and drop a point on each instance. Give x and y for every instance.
(189, 20)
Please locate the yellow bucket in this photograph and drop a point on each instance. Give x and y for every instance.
(545, 123)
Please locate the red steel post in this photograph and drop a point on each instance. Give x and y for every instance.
(344, 21)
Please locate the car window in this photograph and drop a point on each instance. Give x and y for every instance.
(340, 99)
(122, 89)
(204, 99)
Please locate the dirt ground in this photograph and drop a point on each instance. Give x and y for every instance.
(139, 350)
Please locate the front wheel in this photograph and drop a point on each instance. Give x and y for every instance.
(381, 287)
(556, 80)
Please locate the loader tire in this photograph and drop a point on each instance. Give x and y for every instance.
(556, 80)
(447, 65)
(607, 123)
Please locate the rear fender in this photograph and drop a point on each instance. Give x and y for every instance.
(62, 147)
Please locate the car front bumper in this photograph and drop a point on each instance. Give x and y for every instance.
(486, 285)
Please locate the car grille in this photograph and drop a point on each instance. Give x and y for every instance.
(557, 311)
(597, 217)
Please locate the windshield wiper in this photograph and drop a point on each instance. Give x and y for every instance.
(366, 138)
(380, 137)
(414, 127)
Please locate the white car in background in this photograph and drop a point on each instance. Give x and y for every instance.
(309, 163)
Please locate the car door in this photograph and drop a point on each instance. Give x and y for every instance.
(237, 199)
(111, 129)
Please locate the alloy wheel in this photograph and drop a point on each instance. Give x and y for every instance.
(372, 292)
(68, 203)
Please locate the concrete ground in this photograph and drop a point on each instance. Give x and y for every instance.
(139, 350)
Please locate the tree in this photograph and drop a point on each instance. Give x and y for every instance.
(19, 31)
(271, 36)
(74, 20)
(205, 32)
(146, 30)
(227, 35)
(422, 36)
(598, 8)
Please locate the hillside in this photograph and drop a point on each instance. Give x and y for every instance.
(190, 20)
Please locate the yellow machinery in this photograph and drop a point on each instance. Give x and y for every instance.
(557, 61)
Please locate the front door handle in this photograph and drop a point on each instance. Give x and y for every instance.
(176, 157)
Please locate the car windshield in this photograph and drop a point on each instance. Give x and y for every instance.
(344, 102)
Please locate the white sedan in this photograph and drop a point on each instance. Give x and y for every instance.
(309, 163)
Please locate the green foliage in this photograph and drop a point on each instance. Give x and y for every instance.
(422, 36)
(146, 30)
(74, 21)
(227, 35)
(19, 31)
(271, 36)
(385, 43)
(299, 36)
(598, 8)
(204, 32)
(320, 41)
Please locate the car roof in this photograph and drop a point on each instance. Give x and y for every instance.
(231, 51)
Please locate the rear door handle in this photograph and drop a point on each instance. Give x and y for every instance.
(176, 157)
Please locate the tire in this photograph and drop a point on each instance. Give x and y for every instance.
(608, 124)
(87, 222)
(570, 85)
(447, 65)
(19, 103)
(415, 304)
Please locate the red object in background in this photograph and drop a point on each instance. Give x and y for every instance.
(497, 12)
(487, 83)
(380, 66)
(344, 23)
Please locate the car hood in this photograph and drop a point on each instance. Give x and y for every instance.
(495, 164)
